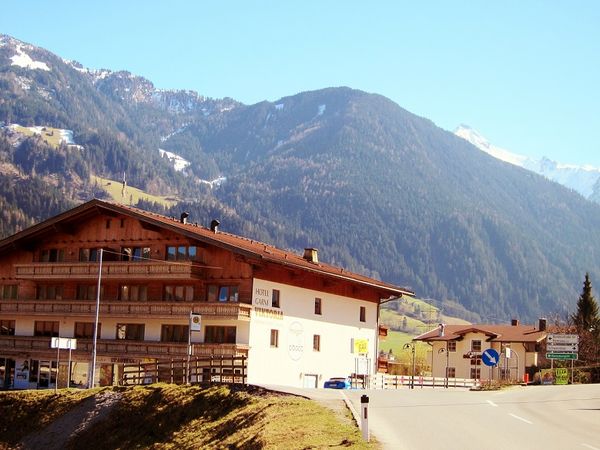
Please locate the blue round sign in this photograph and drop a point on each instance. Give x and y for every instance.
(490, 357)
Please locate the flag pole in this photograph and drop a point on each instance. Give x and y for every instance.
(95, 342)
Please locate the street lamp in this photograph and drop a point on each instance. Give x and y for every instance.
(411, 345)
(442, 350)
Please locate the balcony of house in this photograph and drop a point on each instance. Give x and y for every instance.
(119, 308)
(126, 349)
(110, 270)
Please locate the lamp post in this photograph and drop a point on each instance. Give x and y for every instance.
(445, 350)
(95, 337)
(411, 345)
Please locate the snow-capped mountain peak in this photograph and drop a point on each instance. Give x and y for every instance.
(583, 179)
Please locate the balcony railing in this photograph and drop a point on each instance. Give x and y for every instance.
(236, 311)
(120, 350)
(114, 270)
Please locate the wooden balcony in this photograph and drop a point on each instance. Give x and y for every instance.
(151, 310)
(118, 349)
(110, 270)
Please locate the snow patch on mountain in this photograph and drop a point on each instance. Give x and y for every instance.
(217, 182)
(22, 59)
(579, 178)
(321, 110)
(178, 162)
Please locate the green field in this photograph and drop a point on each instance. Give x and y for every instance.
(132, 195)
(52, 136)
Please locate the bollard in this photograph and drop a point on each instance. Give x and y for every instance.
(364, 417)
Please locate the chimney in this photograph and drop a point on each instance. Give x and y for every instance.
(183, 217)
(442, 330)
(542, 324)
(214, 225)
(311, 255)
(514, 322)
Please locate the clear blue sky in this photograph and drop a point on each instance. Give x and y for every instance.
(525, 74)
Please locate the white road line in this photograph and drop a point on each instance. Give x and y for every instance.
(492, 403)
(520, 418)
(590, 446)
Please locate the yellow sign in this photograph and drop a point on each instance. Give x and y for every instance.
(361, 346)
(561, 376)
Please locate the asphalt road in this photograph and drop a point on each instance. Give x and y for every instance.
(528, 418)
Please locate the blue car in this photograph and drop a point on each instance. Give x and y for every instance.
(337, 383)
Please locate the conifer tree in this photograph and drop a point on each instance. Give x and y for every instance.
(586, 317)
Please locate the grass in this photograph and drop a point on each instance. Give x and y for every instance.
(164, 416)
(132, 195)
(50, 135)
(396, 340)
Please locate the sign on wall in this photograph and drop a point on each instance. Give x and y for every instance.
(360, 346)
(296, 341)
(261, 297)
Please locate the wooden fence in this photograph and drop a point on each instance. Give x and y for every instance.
(200, 370)
(387, 381)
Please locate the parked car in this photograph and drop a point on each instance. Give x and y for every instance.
(337, 383)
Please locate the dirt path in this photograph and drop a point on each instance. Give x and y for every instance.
(67, 427)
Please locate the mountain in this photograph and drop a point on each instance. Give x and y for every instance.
(583, 179)
(375, 188)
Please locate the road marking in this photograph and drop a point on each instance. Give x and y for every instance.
(492, 403)
(520, 418)
(590, 446)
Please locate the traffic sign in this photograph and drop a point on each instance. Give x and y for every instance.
(561, 355)
(569, 348)
(562, 339)
(490, 357)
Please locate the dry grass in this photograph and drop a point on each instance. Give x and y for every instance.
(132, 195)
(166, 416)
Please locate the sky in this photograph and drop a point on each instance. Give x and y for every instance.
(524, 74)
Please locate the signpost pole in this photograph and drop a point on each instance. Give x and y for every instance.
(57, 366)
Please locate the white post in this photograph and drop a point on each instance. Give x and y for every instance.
(69, 373)
(364, 417)
(95, 342)
(57, 365)
(189, 352)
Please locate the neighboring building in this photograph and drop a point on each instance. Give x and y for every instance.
(297, 320)
(456, 350)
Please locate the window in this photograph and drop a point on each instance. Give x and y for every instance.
(318, 306)
(135, 253)
(89, 254)
(275, 299)
(476, 346)
(174, 333)
(222, 293)
(85, 330)
(88, 291)
(451, 346)
(451, 372)
(131, 331)
(228, 294)
(363, 314)
(52, 255)
(182, 253)
(49, 292)
(7, 327)
(133, 292)
(475, 373)
(476, 360)
(316, 343)
(219, 335)
(275, 338)
(8, 291)
(179, 293)
(45, 328)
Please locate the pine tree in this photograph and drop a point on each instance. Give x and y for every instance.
(586, 317)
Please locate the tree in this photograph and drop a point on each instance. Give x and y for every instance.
(586, 317)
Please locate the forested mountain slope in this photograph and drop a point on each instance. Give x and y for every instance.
(377, 189)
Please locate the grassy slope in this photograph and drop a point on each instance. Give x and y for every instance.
(166, 416)
(50, 135)
(132, 195)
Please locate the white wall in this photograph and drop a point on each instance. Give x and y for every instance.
(294, 361)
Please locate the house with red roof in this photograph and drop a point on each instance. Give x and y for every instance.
(296, 320)
(457, 351)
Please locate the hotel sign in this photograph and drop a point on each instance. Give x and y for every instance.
(262, 297)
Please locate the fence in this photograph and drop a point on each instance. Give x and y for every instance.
(386, 381)
(201, 370)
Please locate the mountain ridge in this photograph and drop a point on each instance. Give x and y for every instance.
(377, 189)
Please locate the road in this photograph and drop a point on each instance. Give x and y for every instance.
(533, 417)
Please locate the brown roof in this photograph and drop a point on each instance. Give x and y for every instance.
(495, 333)
(237, 244)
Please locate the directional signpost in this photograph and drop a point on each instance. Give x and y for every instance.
(562, 347)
